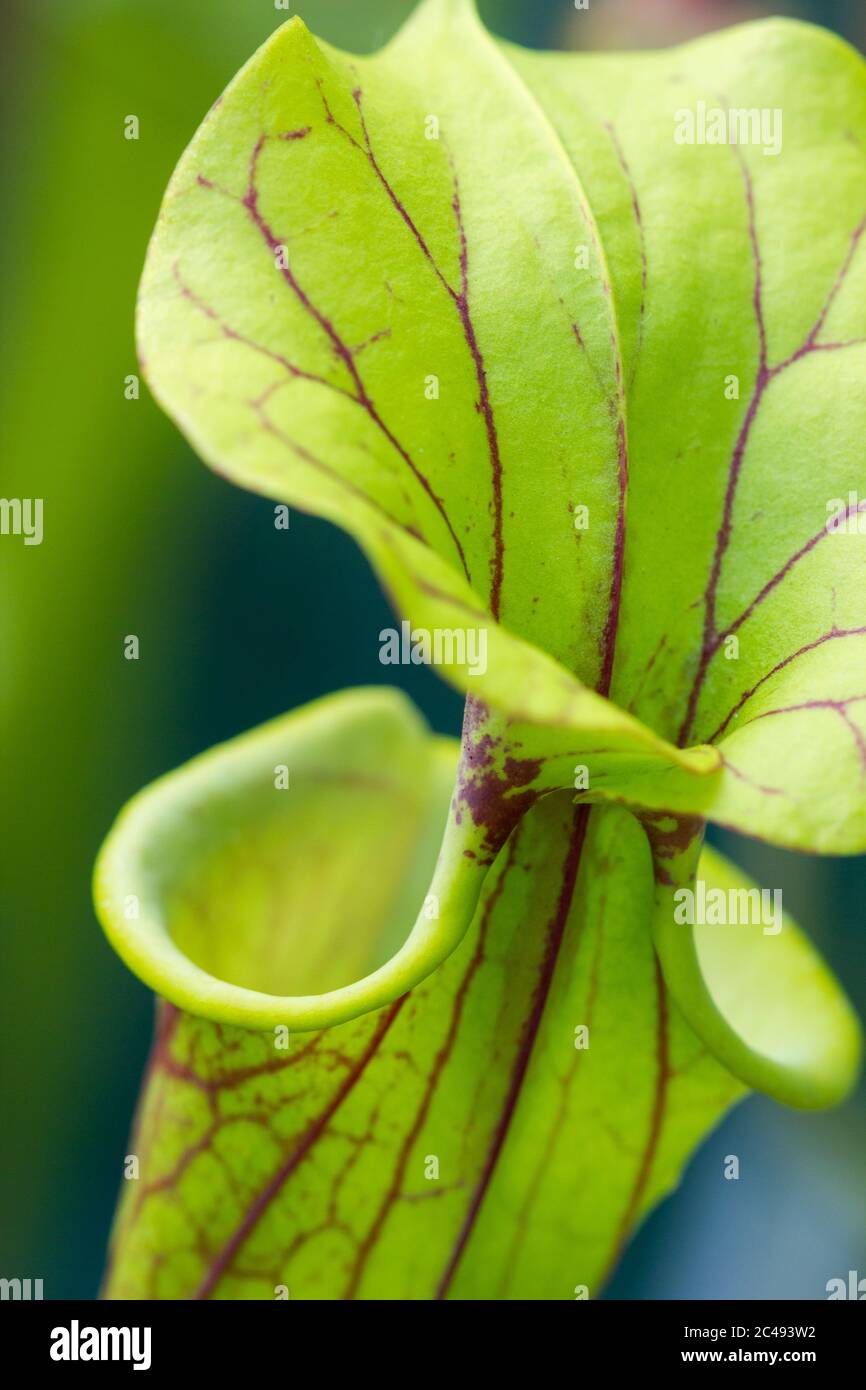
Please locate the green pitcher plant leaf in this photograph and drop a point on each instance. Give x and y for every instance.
(573, 346)
(424, 1149)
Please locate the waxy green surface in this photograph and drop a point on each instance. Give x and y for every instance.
(524, 229)
(307, 1165)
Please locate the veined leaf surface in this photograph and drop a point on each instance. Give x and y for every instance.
(497, 1131)
(525, 232)
(596, 394)
(421, 1150)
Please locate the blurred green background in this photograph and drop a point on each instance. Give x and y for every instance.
(237, 623)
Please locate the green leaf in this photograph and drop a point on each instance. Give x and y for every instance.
(758, 995)
(589, 396)
(543, 1066)
(319, 260)
(305, 1166)
(189, 837)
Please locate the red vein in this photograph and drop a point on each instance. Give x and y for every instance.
(255, 1212)
(749, 781)
(233, 335)
(460, 299)
(485, 406)
(593, 366)
(510, 1264)
(439, 1063)
(780, 665)
(712, 637)
(811, 340)
(367, 150)
(612, 624)
(839, 707)
(617, 407)
(342, 351)
(771, 584)
(556, 932)
(325, 468)
(856, 731)
(638, 217)
(648, 1156)
(662, 643)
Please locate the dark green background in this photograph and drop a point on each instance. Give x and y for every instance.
(238, 623)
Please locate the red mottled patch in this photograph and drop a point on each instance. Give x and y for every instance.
(487, 785)
(670, 837)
